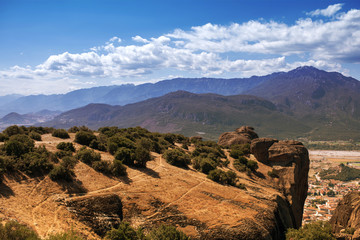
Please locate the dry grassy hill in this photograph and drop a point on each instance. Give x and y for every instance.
(160, 193)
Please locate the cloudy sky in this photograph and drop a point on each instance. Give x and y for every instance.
(55, 46)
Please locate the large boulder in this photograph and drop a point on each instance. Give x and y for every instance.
(260, 148)
(290, 161)
(347, 216)
(242, 135)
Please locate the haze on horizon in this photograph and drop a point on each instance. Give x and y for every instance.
(58, 46)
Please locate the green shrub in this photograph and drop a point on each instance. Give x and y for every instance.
(164, 232)
(60, 133)
(7, 163)
(71, 235)
(117, 168)
(84, 137)
(3, 137)
(13, 130)
(35, 136)
(66, 146)
(123, 232)
(74, 129)
(177, 157)
(220, 176)
(69, 162)
(61, 154)
(273, 174)
(252, 165)
(40, 130)
(311, 231)
(87, 156)
(242, 165)
(141, 157)
(119, 141)
(125, 155)
(240, 150)
(170, 138)
(96, 144)
(204, 164)
(18, 145)
(34, 163)
(101, 166)
(15, 231)
(60, 172)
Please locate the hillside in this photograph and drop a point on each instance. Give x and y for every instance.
(256, 207)
(189, 114)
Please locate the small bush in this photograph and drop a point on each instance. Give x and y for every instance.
(84, 137)
(87, 156)
(3, 137)
(311, 231)
(34, 163)
(141, 157)
(60, 133)
(118, 169)
(66, 146)
(123, 232)
(61, 154)
(252, 165)
(69, 162)
(14, 231)
(101, 166)
(35, 136)
(273, 174)
(220, 176)
(177, 157)
(125, 155)
(71, 235)
(240, 148)
(13, 130)
(204, 165)
(60, 172)
(167, 232)
(18, 145)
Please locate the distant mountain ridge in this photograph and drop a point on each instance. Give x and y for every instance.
(305, 102)
(130, 93)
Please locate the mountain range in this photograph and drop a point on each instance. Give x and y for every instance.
(303, 103)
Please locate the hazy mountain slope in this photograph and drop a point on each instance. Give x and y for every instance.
(189, 114)
(328, 101)
(27, 119)
(60, 102)
(129, 93)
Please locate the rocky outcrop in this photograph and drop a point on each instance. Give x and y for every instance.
(290, 161)
(242, 135)
(346, 219)
(100, 213)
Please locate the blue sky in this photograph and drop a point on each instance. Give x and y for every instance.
(55, 46)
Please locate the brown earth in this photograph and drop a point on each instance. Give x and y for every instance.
(161, 193)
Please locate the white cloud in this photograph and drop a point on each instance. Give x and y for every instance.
(327, 12)
(140, 39)
(115, 39)
(200, 51)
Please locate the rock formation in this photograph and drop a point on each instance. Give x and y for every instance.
(290, 161)
(346, 218)
(242, 135)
